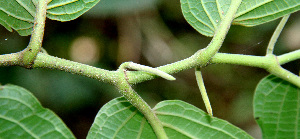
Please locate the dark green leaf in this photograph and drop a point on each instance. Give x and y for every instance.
(276, 108)
(119, 119)
(22, 116)
(19, 14)
(206, 15)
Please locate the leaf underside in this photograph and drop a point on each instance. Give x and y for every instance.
(19, 14)
(276, 108)
(206, 15)
(119, 119)
(22, 116)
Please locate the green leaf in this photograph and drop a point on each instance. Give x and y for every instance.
(276, 108)
(66, 10)
(22, 116)
(19, 14)
(206, 15)
(119, 119)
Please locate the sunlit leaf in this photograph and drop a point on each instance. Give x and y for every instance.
(206, 15)
(22, 116)
(119, 119)
(276, 108)
(19, 14)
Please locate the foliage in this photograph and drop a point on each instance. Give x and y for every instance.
(276, 108)
(119, 118)
(22, 20)
(205, 16)
(275, 101)
(22, 116)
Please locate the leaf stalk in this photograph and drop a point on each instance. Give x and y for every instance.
(276, 34)
(201, 86)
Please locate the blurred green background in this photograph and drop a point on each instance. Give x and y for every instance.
(149, 32)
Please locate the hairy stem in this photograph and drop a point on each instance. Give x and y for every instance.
(50, 62)
(222, 30)
(276, 34)
(201, 57)
(46, 61)
(127, 91)
(29, 54)
(10, 60)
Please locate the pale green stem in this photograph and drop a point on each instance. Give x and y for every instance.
(127, 91)
(276, 34)
(239, 59)
(274, 68)
(46, 61)
(271, 63)
(288, 57)
(201, 57)
(138, 67)
(201, 86)
(221, 31)
(10, 60)
(29, 54)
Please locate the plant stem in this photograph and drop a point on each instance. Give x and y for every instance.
(10, 60)
(201, 86)
(127, 91)
(201, 57)
(222, 30)
(288, 57)
(271, 63)
(29, 54)
(239, 59)
(46, 61)
(276, 34)
(274, 67)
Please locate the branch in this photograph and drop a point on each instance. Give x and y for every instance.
(10, 60)
(127, 91)
(46, 61)
(288, 57)
(270, 62)
(201, 57)
(29, 54)
(135, 77)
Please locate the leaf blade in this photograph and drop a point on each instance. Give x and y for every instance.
(276, 108)
(206, 15)
(68, 9)
(268, 11)
(14, 16)
(22, 116)
(108, 122)
(19, 14)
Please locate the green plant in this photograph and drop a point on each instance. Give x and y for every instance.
(276, 104)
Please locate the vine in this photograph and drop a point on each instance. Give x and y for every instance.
(33, 57)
